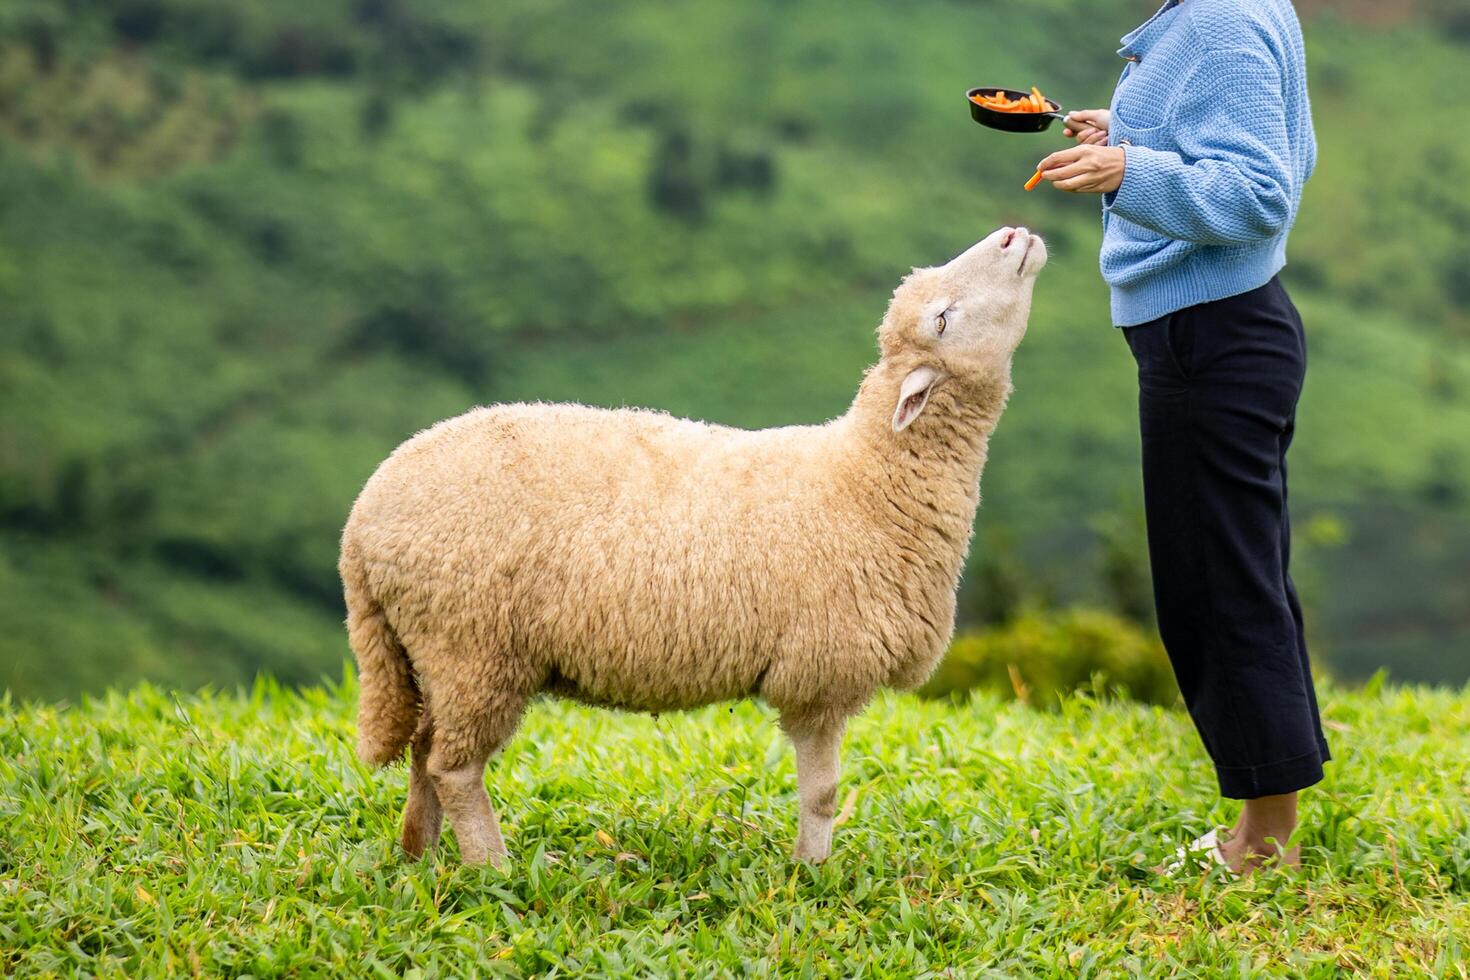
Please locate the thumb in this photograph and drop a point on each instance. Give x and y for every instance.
(1089, 117)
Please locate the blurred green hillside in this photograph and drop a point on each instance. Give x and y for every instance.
(246, 249)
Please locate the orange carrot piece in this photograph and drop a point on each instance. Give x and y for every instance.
(1001, 102)
(1035, 179)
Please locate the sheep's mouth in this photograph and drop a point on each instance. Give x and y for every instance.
(1030, 241)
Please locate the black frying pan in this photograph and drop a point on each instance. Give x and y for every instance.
(1012, 122)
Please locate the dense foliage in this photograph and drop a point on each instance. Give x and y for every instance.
(247, 248)
(150, 834)
(1037, 658)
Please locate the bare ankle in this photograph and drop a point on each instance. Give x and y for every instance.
(1264, 830)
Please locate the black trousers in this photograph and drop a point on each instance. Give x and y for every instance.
(1217, 392)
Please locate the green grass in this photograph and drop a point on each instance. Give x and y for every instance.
(157, 834)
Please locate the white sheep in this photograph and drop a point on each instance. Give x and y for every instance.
(633, 560)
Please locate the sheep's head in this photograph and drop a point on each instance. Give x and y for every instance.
(959, 323)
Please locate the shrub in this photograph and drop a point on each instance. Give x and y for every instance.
(673, 182)
(418, 313)
(1039, 656)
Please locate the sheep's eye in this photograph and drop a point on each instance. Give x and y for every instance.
(939, 324)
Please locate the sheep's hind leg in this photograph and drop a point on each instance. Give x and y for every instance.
(818, 758)
(462, 746)
(422, 816)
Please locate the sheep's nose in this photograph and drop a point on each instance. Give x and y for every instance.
(1010, 236)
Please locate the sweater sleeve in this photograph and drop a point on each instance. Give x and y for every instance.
(1230, 184)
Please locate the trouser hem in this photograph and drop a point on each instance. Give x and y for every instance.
(1274, 779)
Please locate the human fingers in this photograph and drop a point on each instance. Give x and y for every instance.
(1083, 183)
(1061, 158)
(1068, 171)
(1097, 118)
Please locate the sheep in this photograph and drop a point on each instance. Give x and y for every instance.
(633, 560)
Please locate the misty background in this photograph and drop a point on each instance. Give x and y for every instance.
(248, 248)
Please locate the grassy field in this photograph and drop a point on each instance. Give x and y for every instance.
(150, 833)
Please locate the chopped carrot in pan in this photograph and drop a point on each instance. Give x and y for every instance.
(1000, 102)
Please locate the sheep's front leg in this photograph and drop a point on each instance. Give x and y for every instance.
(817, 743)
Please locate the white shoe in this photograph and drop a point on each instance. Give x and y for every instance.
(1201, 854)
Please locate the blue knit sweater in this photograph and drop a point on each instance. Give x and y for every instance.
(1212, 113)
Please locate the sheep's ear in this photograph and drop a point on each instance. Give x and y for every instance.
(913, 395)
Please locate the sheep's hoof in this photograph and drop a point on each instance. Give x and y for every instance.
(812, 854)
(415, 843)
(496, 860)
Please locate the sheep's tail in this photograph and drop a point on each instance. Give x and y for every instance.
(388, 699)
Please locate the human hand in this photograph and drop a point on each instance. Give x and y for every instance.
(1087, 125)
(1085, 169)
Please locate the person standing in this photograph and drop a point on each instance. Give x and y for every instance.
(1200, 162)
